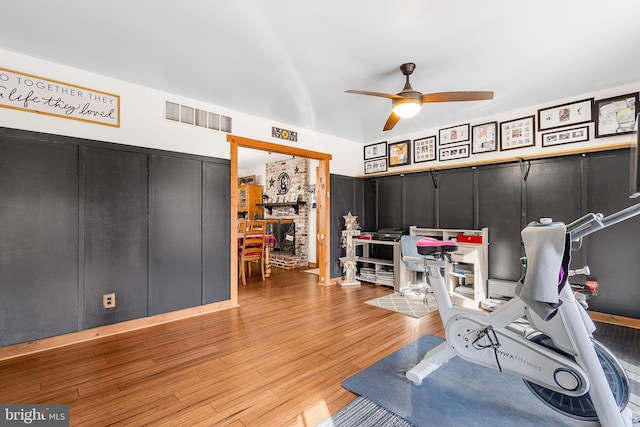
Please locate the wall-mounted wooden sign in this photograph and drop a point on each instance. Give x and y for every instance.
(289, 135)
(26, 92)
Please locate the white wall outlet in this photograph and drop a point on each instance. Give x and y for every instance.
(109, 300)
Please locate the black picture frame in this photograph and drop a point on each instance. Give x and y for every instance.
(454, 134)
(615, 115)
(484, 138)
(454, 152)
(399, 153)
(375, 151)
(375, 166)
(424, 149)
(570, 114)
(565, 136)
(518, 133)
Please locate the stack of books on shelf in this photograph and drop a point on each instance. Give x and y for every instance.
(385, 273)
(368, 274)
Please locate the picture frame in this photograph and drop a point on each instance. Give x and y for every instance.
(424, 149)
(518, 133)
(293, 198)
(565, 136)
(375, 166)
(454, 152)
(484, 138)
(375, 151)
(616, 115)
(454, 134)
(573, 113)
(399, 153)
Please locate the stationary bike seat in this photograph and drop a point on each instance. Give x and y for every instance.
(429, 246)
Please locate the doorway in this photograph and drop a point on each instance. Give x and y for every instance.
(322, 203)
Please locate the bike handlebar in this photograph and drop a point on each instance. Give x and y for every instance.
(590, 223)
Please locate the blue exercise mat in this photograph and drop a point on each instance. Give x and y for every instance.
(459, 393)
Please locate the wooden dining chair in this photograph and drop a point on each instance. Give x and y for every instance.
(252, 249)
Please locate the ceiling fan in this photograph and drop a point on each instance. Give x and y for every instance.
(408, 102)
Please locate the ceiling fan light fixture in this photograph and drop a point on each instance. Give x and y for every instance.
(406, 107)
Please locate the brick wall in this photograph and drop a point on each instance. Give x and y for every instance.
(283, 178)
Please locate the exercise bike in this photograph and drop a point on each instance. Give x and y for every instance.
(556, 355)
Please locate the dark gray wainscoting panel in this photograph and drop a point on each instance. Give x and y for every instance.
(344, 199)
(419, 196)
(554, 189)
(369, 191)
(175, 242)
(390, 207)
(613, 254)
(499, 208)
(38, 239)
(115, 230)
(215, 232)
(456, 199)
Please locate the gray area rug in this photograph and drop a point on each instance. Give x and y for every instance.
(362, 412)
(410, 304)
(623, 341)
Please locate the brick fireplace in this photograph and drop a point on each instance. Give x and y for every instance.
(288, 180)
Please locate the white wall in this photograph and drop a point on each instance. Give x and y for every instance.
(515, 153)
(143, 123)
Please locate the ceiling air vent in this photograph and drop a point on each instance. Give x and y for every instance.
(194, 116)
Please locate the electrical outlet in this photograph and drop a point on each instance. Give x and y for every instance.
(109, 300)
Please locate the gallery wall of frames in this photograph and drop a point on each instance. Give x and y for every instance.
(557, 125)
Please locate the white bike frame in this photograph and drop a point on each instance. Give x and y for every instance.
(485, 339)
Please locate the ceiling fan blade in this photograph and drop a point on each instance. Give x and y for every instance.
(391, 121)
(380, 94)
(457, 96)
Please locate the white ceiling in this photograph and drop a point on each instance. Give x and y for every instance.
(291, 61)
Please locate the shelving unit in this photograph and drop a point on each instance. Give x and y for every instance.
(466, 278)
(383, 271)
(295, 205)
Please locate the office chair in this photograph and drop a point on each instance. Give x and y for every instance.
(416, 263)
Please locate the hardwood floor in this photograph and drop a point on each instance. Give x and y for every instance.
(277, 360)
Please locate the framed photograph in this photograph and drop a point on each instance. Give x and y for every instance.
(400, 153)
(518, 133)
(375, 166)
(617, 115)
(293, 198)
(484, 138)
(453, 153)
(454, 134)
(566, 136)
(570, 114)
(424, 149)
(375, 151)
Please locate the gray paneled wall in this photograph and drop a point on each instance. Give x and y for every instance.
(38, 239)
(506, 197)
(115, 234)
(82, 218)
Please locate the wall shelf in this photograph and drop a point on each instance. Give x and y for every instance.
(295, 205)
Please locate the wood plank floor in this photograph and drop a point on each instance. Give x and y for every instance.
(277, 360)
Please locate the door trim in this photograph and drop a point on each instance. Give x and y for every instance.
(322, 203)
